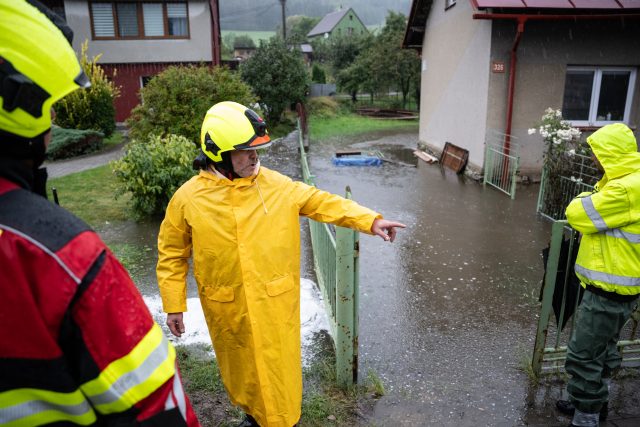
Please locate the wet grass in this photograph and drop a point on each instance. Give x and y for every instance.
(321, 128)
(90, 195)
(323, 403)
(133, 257)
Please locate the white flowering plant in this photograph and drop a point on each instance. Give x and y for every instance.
(556, 132)
(562, 145)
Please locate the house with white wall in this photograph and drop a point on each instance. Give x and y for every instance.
(491, 67)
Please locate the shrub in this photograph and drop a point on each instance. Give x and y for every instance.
(567, 169)
(323, 106)
(152, 170)
(90, 108)
(176, 100)
(318, 75)
(67, 143)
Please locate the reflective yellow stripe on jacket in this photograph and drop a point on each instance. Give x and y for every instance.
(121, 385)
(26, 407)
(133, 377)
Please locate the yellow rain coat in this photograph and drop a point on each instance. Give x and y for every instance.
(245, 239)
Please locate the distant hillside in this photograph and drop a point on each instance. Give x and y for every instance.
(266, 15)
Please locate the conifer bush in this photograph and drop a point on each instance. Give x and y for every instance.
(67, 143)
(152, 170)
(89, 108)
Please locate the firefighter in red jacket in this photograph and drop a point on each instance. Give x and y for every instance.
(78, 345)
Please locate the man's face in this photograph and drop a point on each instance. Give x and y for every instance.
(245, 162)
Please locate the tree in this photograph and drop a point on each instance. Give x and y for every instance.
(277, 75)
(298, 26)
(243, 41)
(394, 67)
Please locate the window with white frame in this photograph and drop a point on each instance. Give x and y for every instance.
(159, 19)
(595, 96)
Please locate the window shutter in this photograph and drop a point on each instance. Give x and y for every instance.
(127, 19)
(102, 15)
(177, 17)
(153, 19)
(177, 10)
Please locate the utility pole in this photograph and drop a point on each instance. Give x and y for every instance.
(284, 21)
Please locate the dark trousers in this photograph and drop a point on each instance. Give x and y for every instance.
(592, 353)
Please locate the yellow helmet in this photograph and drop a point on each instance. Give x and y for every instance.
(37, 68)
(229, 126)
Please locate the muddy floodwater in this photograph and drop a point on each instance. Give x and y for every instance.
(448, 312)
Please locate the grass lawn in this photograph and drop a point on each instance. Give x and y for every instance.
(352, 124)
(90, 196)
(256, 36)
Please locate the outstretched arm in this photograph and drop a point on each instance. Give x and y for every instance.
(385, 229)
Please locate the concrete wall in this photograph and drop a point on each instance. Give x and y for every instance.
(455, 80)
(545, 51)
(194, 49)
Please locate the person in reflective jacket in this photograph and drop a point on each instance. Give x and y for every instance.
(241, 223)
(78, 345)
(608, 266)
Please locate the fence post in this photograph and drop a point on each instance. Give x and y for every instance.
(557, 232)
(346, 306)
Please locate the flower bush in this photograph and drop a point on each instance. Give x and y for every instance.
(561, 163)
(558, 134)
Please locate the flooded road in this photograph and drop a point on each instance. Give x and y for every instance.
(448, 312)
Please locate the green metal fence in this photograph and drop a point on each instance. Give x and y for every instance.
(335, 255)
(550, 347)
(501, 164)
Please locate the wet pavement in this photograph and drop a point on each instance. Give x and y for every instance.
(448, 312)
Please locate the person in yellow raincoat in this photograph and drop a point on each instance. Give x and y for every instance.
(241, 223)
(608, 266)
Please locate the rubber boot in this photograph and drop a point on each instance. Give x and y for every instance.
(248, 421)
(567, 408)
(584, 419)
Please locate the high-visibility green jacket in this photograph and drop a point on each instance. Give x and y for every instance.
(609, 218)
(245, 239)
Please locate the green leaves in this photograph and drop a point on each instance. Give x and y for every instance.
(152, 170)
(277, 75)
(176, 100)
(89, 108)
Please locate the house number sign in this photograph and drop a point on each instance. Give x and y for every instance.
(497, 67)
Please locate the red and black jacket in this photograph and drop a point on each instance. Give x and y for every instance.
(77, 343)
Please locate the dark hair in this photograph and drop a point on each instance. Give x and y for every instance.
(201, 161)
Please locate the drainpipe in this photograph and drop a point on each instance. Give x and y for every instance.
(215, 33)
(521, 19)
(512, 83)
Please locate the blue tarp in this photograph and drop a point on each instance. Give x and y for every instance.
(357, 160)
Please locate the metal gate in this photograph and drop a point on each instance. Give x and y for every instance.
(501, 163)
